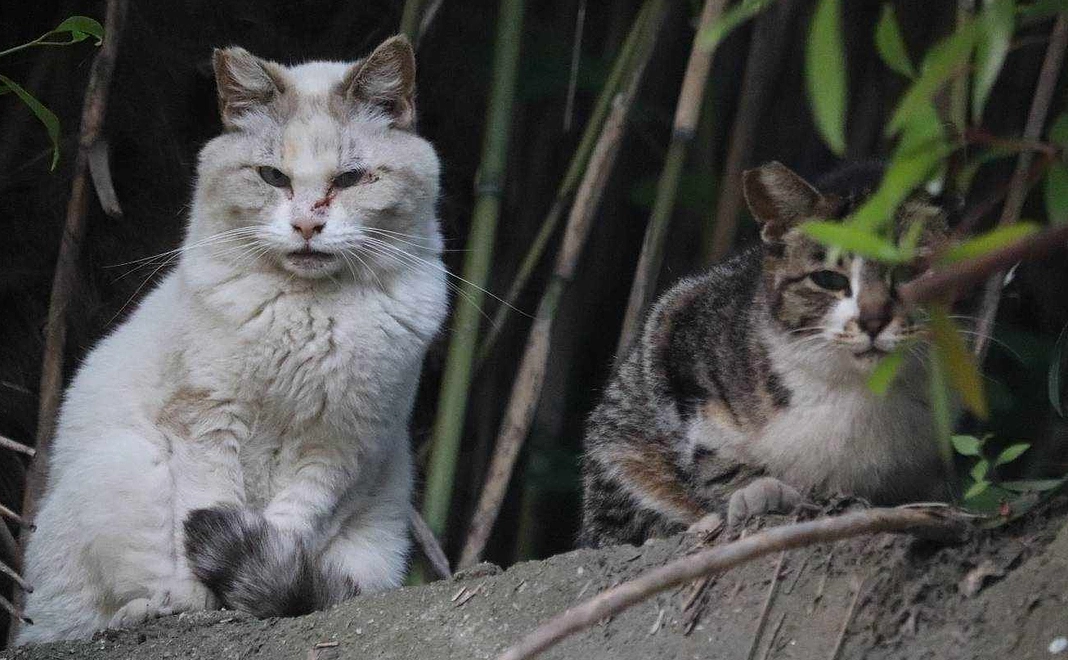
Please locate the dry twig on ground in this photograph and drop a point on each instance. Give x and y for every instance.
(428, 543)
(938, 523)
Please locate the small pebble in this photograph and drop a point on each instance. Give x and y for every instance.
(1058, 645)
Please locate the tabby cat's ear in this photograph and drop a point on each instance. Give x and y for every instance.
(777, 198)
(245, 82)
(386, 78)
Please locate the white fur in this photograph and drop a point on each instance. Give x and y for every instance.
(246, 378)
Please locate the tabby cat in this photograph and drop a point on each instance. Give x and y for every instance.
(747, 389)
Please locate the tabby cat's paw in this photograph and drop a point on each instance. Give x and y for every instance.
(765, 495)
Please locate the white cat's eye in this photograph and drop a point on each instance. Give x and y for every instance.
(830, 280)
(273, 176)
(351, 178)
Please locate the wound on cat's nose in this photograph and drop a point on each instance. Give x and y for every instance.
(324, 202)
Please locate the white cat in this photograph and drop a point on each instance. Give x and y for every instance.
(241, 439)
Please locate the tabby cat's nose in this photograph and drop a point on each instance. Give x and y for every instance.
(308, 227)
(874, 323)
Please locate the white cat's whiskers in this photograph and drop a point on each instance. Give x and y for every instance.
(441, 268)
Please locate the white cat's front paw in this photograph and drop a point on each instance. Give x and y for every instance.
(765, 495)
(134, 613)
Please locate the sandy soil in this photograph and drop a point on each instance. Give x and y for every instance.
(1002, 594)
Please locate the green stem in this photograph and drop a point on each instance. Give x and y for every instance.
(452, 401)
(624, 62)
(409, 25)
(36, 42)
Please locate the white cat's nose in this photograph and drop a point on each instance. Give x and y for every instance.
(308, 227)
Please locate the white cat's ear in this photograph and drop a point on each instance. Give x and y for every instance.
(386, 78)
(245, 82)
(777, 198)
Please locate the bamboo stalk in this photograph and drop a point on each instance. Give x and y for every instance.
(935, 523)
(1010, 212)
(652, 10)
(687, 112)
(526, 390)
(410, 15)
(762, 65)
(65, 278)
(456, 381)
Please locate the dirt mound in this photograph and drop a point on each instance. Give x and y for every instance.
(1001, 594)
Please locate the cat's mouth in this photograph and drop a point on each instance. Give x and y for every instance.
(869, 353)
(309, 262)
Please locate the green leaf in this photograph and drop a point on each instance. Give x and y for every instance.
(729, 21)
(996, 26)
(991, 240)
(976, 489)
(906, 172)
(1011, 453)
(979, 470)
(966, 445)
(961, 370)
(1056, 193)
(825, 74)
(51, 123)
(1056, 366)
(923, 129)
(852, 238)
(80, 28)
(883, 375)
(942, 61)
(891, 45)
(1032, 485)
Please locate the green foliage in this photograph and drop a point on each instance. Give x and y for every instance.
(995, 33)
(962, 370)
(72, 30)
(47, 117)
(825, 74)
(992, 240)
(729, 21)
(1041, 9)
(942, 61)
(966, 445)
(985, 493)
(884, 373)
(854, 239)
(891, 45)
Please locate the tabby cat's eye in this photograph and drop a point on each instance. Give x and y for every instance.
(349, 178)
(830, 280)
(273, 176)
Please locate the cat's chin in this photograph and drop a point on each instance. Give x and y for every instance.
(311, 264)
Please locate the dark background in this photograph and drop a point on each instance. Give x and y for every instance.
(163, 108)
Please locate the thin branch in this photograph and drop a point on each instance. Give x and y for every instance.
(939, 523)
(1010, 212)
(15, 577)
(769, 600)
(8, 443)
(687, 113)
(428, 19)
(14, 611)
(762, 66)
(951, 282)
(65, 278)
(846, 621)
(11, 515)
(428, 543)
(576, 52)
(526, 390)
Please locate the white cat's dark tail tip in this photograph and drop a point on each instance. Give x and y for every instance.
(253, 567)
